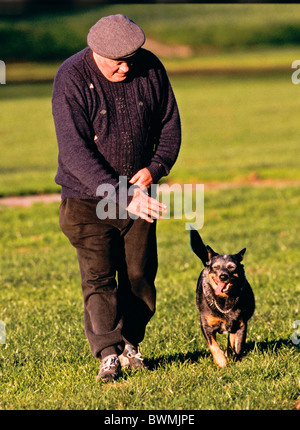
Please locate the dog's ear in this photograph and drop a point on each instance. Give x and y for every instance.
(198, 246)
(240, 255)
(211, 253)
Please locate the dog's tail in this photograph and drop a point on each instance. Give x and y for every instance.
(198, 246)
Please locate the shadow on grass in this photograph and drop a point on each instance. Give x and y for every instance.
(268, 345)
(162, 360)
(272, 346)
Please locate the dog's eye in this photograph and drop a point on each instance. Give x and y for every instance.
(216, 267)
(231, 267)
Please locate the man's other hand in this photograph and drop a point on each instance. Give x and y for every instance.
(142, 178)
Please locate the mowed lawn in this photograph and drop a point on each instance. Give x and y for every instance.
(233, 128)
(46, 362)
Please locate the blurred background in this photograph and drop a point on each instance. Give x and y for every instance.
(229, 64)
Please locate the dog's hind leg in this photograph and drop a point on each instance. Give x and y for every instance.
(230, 345)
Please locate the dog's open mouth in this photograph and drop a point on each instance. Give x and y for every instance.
(221, 287)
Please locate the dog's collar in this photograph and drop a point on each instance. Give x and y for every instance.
(215, 304)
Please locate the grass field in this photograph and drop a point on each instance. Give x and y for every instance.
(46, 362)
(234, 127)
(203, 27)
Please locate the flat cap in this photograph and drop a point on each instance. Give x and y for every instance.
(115, 37)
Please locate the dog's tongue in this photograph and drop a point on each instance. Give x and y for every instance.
(220, 287)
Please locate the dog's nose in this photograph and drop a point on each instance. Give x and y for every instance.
(223, 277)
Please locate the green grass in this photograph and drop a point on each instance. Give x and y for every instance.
(237, 126)
(262, 59)
(250, 60)
(28, 143)
(233, 127)
(203, 27)
(46, 362)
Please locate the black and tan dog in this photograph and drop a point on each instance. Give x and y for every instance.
(224, 299)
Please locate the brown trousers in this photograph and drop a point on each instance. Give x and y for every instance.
(118, 264)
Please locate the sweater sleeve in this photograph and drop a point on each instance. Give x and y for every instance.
(169, 136)
(79, 159)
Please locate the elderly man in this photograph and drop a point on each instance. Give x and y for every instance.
(116, 117)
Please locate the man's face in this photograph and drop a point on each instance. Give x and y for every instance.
(113, 70)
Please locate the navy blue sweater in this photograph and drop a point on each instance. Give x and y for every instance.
(106, 130)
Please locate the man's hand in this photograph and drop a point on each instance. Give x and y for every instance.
(145, 206)
(142, 178)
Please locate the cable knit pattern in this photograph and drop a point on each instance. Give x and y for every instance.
(106, 129)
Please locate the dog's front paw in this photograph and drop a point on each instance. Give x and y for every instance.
(221, 362)
(220, 359)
